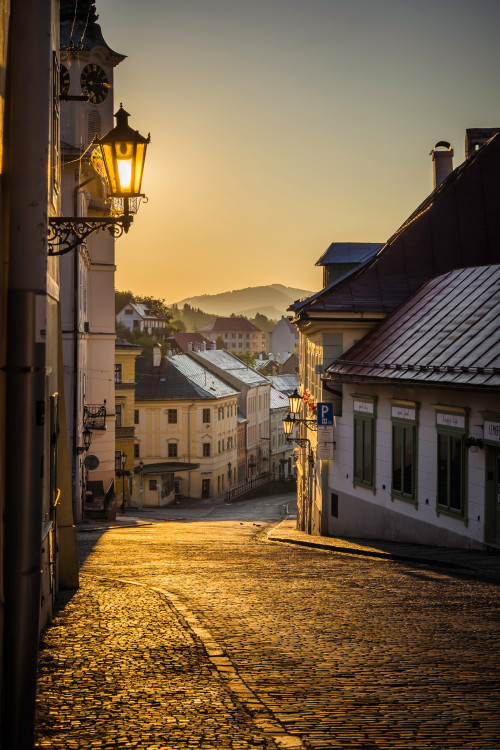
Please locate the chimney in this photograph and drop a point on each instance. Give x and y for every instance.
(203, 346)
(477, 137)
(156, 355)
(442, 156)
(190, 346)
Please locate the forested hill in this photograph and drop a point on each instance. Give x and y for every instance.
(271, 300)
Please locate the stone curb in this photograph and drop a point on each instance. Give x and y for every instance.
(425, 560)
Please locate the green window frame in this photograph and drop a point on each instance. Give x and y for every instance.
(364, 413)
(451, 484)
(404, 466)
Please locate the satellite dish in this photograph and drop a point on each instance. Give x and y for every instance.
(91, 462)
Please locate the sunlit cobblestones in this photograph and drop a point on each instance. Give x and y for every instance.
(332, 650)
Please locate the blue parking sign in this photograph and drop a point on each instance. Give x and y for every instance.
(324, 414)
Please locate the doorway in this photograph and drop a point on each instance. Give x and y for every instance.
(492, 496)
(205, 487)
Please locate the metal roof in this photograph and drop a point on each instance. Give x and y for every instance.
(278, 400)
(202, 377)
(456, 226)
(168, 467)
(349, 252)
(447, 333)
(284, 383)
(177, 377)
(227, 362)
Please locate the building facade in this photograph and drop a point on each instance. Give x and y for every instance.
(188, 416)
(238, 334)
(137, 316)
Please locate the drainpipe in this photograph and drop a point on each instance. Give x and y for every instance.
(189, 446)
(28, 130)
(77, 496)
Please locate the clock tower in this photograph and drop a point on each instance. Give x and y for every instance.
(87, 273)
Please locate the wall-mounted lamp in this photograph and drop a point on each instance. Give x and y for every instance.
(86, 437)
(124, 152)
(474, 444)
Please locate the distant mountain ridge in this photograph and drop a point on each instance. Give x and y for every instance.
(271, 300)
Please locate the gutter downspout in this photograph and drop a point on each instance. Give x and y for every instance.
(189, 445)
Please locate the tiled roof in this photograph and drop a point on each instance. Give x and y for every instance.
(456, 226)
(349, 252)
(183, 340)
(227, 362)
(230, 324)
(177, 377)
(447, 333)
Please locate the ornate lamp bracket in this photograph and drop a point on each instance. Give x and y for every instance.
(67, 232)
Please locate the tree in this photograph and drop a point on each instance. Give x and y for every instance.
(219, 343)
(122, 299)
(247, 357)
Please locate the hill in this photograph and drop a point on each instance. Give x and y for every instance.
(271, 300)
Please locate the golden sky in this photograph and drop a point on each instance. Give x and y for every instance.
(280, 126)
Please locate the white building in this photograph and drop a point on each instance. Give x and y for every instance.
(253, 403)
(284, 339)
(418, 443)
(146, 318)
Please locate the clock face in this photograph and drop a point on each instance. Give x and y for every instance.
(64, 81)
(94, 83)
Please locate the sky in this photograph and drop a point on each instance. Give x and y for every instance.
(281, 126)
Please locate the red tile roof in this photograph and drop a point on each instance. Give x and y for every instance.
(231, 324)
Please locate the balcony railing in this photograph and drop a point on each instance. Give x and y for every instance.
(94, 416)
(124, 432)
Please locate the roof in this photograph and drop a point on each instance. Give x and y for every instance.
(349, 252)
(123, 344)
(287, 320)
(78, 27)
(145, 311)
(183, 340)
(177, 377)
(168, 467)
(447, 333)
(227, 362)
(284, 383)
(456, 226)
(278, 400)
(230, 324)
(241, 419)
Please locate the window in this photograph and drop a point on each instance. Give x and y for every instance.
(129, 311)
(153, 485)
(172, 416)
(364, 441)
(136, 450)
(218, 447)
(118, 373)
(136, 416)
(451, 494)
(172, 450)
(118, 460)
(119, 414)
(206, 449)
(404, 450)
(206, 416)
(137, 323)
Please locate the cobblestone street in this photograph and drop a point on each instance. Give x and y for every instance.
(197, 631)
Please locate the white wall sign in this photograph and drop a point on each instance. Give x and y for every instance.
(492, 431)
(403, 412)
(325, 434)
(451, 420)
(364, 406)
(325, 451)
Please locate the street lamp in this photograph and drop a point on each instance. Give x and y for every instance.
(294, 399)
(123, 152)
(123, 460)
(86, 437)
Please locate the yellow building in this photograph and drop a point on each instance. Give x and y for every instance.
(186, 435)
(126, 416)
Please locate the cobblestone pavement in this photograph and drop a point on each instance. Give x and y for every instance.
(202, 633)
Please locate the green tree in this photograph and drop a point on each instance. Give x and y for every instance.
(247, 357)
(219, 343)
(122, 299)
